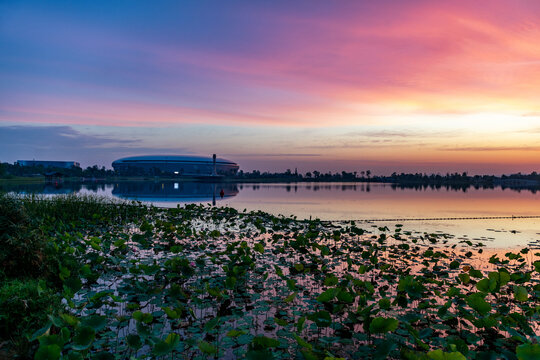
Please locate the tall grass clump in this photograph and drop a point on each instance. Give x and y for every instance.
(24, 308)
(27, 259)
(48, 246)
(82, 208)
(23, 247)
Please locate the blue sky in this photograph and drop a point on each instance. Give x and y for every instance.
(387, 86)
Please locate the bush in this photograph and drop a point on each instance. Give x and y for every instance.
(23, 248)
(24, 307)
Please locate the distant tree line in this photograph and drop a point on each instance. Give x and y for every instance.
(296, 176)
(14, 170)
(460, 179)
(455, 180)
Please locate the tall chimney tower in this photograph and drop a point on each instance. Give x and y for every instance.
(214, 173)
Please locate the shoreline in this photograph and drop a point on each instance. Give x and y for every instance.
(229, 180)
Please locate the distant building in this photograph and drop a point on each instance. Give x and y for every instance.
(175, 165)
(49, 164)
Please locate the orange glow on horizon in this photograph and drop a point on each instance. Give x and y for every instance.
(410, 82)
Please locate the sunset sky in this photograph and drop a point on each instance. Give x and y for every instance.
(427, 86)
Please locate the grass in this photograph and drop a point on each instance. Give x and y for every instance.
(202, 282)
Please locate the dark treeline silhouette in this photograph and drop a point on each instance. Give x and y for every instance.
(455, 181)
(462, 181)
(288, 175)
(14, 170)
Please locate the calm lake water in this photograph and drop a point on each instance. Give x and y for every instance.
(346, 201)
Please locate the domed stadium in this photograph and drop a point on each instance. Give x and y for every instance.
(175, 165)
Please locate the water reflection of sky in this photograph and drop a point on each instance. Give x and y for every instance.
(336, 201)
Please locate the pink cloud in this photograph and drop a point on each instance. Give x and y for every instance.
(308, 66)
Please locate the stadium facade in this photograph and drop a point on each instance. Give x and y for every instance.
(175, 165)
(49, 164)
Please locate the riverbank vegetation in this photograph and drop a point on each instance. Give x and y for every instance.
(86, 278)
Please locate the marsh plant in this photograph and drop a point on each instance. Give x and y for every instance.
(133, 281)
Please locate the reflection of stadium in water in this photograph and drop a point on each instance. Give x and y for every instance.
(174, 191)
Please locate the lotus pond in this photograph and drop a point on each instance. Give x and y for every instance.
(198, 282)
